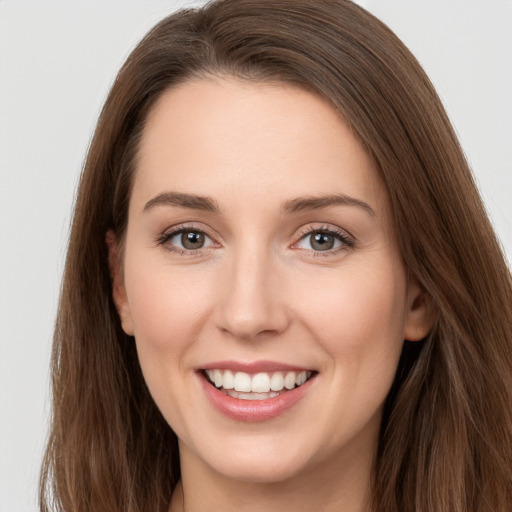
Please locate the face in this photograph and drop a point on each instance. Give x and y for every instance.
(260, 255)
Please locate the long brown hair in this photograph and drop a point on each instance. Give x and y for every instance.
(446, 437)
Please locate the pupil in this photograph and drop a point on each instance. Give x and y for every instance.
(192, 240)
(322, 241)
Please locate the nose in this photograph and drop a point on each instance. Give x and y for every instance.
(252, 297)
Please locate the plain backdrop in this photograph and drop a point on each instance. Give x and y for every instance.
(57, 61)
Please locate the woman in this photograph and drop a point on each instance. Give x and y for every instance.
(273, 201)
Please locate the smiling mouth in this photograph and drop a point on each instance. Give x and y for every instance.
(259, 386)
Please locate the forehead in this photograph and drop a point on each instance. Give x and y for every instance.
(223, 136)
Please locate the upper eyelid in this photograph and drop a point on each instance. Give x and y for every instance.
(179, 228)
(335, 230)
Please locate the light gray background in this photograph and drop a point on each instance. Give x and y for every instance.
(57, 60)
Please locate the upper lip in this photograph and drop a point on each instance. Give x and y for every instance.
(253, 366)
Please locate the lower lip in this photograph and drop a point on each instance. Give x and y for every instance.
(253, 410)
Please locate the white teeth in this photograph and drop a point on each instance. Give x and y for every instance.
(251, 396)
(289, 380)
(261, 383)
(229, 380)
(217, 378)
(242, 382)
(277, 382)
(301, 378)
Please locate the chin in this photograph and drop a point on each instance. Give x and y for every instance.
(249, 470)
(258, 460)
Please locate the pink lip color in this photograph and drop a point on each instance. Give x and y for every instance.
(253, 410)
(253, 367)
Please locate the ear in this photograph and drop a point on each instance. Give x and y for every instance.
(420, 315)
(118, 288)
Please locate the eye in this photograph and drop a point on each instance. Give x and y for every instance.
(325, 240)
(189, 240)
(186, 239)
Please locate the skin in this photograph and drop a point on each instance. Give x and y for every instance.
(258, 289)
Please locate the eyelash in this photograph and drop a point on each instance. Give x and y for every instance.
(347, 241)
(166, 237)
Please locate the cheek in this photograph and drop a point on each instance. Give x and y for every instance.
(358, 322)
(166, 307)
(358, 317)
(168, 311)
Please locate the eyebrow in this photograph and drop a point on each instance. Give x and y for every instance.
(299, 204)
(192, 201)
